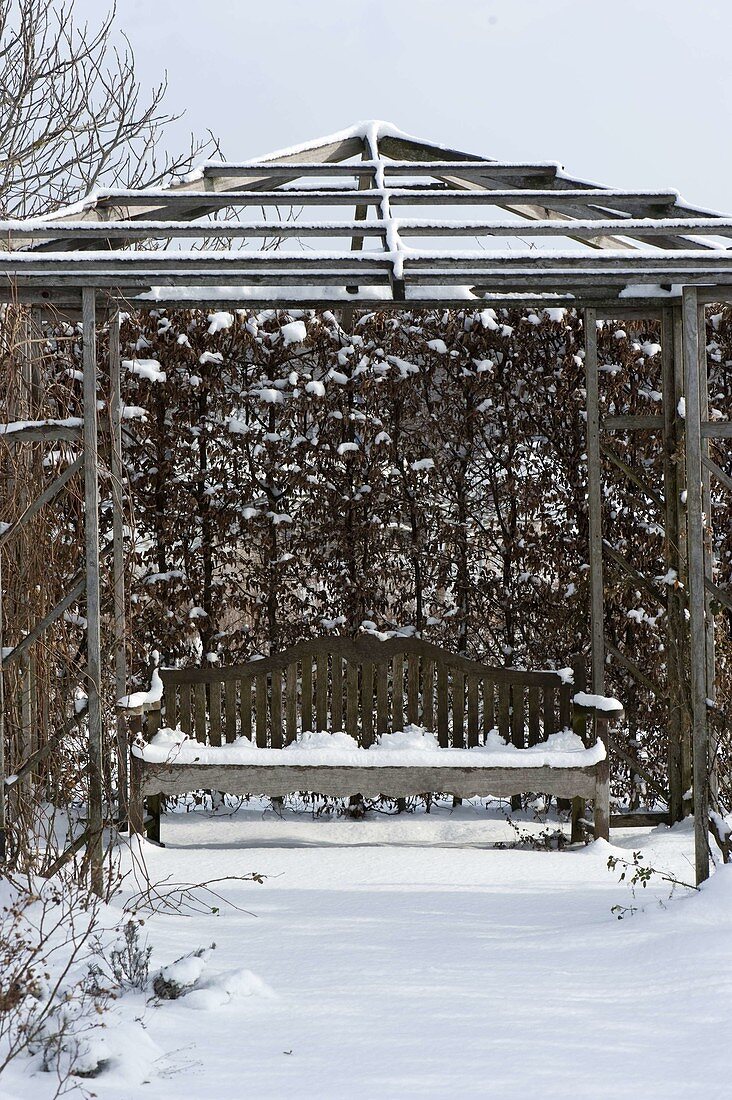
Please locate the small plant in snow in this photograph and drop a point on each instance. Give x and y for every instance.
(548, 840)
(180, 977)
(637, 873)
(130, 960)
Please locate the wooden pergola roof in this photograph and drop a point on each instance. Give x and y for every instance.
(408, 237)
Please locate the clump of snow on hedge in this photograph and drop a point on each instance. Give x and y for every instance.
(149, 369)
(134, 412)
(294, 332)
(438, 346)
(219, 321)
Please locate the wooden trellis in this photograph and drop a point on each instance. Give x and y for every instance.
(610, 253)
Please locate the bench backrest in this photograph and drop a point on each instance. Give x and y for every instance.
(366, 687)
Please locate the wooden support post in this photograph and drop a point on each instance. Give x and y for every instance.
(579, 725)
(26, 721)
(2, 729)
(675, 622)
(594, 503)
(695, 541)
(597, 601)
(684, 637)
(118, 564)
(708, 525)
(95, 847)
(601, 809)
(136, 804)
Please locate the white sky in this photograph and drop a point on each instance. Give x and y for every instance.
(630, 93)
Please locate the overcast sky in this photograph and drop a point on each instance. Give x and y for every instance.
(629, 93)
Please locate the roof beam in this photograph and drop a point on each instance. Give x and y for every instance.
(597, 200)
(15, 231)
(554, 206)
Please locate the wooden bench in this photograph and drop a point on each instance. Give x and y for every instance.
(368, 688)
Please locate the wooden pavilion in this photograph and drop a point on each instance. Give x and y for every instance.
(385, 220)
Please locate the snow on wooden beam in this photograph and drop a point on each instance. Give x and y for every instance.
(226, 170)
(596, 197)
(422, 227)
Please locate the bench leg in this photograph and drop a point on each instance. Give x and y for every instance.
(578, 812)
(356, 809)
(136, 803)
(602, 802)
(154, 805)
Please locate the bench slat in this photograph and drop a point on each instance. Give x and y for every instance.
(215, 713)
(336, 705)
(413, 688)
(442, 705)
(276, 710)
(397, 692)
(291, 704)
(504, 705)
(260, 702)
(517, 716)
(428, 694)
(472, 710)
(382, 698)
(458, 709)
(200, 713)
(367, 704)
(245, 706)
(184, 714)
(230, 710)
(307, 693)
(550, 725)
(352, 699)
(488, 707)
(534, 714)
(321, 691)
(565, 706)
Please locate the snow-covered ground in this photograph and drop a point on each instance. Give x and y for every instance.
(403, 956)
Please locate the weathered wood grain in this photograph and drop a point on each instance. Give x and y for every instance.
(340, 782)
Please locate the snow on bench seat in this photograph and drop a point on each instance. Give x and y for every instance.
(413, 747)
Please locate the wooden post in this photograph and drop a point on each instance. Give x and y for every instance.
(118, 564)
(93, 632)
(26, 722)
(708, 546)
(136, 805)
(597, 600)
(2, 727)
(579, 725)
(594, 502)
(675, 623)
(154, 802)
(695, 541)
(601, 812)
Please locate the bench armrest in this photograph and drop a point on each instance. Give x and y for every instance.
(143, 706)
(599, 707)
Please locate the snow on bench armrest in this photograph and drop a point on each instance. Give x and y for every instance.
(142, 701)
(606, 704)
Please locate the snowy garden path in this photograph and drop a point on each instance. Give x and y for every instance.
(402, 964)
